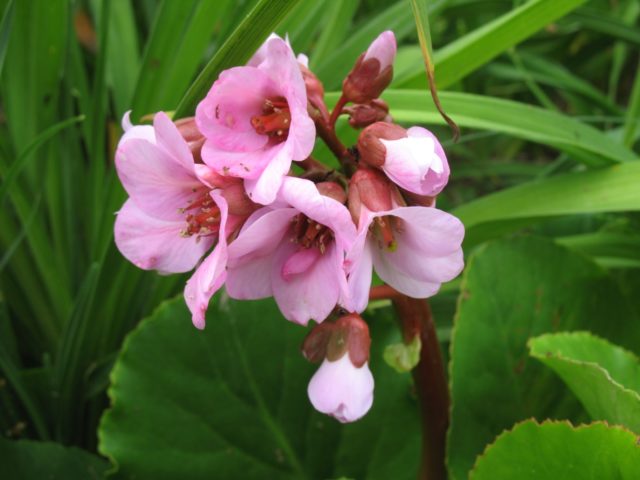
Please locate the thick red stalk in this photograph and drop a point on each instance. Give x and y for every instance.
(431, 383)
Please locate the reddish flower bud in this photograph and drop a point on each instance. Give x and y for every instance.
(373, 70)
(315, 91)
(314, 346)
(332, 190)
(238, 200)
(371, 189)
(372, 150)
(361, 116)
(356, 333)
(189, 131)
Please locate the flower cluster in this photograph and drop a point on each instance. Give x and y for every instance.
(218, 193)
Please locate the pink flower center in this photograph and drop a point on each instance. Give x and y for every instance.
(275, 119)
(202, 217)
(309, 233)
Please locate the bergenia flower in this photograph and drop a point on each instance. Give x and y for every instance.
(373, 70)
(294, 250)
(343, 385)
(414, 249)
(413, 159)
(255, 121)
(177, 210)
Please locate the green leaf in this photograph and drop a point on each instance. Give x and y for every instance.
(5, 30)
(473, 50)
(610, 189)
(47, 460)
(175, 49)
(512, 118)
(513, 290)
(232, 400)
(237, 49)
(558, 451)
(605, 378)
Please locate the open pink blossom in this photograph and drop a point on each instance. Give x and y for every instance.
(176, 209)
(255, 120)
(294, 251)
(413, 249)
(341, 389)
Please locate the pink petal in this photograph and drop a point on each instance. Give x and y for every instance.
(144, 132)
(428, 252)
(261, 53)
(304, 196)
(238, 163)
(154, 244)
(211, 273)
(300, 262)
(224, 116)
(264, 188)
(311, 294)
(157, 182)
(383, 48)
(360, 273)
(341, 390)
(251, 253)
(169, 138)
(417, 163)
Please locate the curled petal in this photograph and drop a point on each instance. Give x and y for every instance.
(211, 273)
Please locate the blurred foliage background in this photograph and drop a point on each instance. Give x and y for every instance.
(546, 92)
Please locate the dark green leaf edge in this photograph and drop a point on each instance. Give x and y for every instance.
(113, 378)
(598, 424)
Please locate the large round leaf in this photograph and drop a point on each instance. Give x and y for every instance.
(231, 402)
(558, 451)
(512, 290)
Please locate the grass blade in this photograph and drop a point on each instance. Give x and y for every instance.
(237, 49)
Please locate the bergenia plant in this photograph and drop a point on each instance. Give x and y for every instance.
(220, 194)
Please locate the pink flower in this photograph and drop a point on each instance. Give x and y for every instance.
(176, 208)
(413, 159)
(343, 385)
(373, 70)
(413, 249)
(341, 389)
(294, 251)
(255, 120)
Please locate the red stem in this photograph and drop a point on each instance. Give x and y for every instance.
(431, 382)
(337, 110)
(383, 292)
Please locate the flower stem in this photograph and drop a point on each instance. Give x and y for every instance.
(431, 383)
(342, 153)
(337, 110)
(383, 292)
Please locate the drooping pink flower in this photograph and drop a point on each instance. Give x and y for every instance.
(177, 210)
(414, 249)
(373, 70)
(255, 120)
(413, 159)
(342, 390)
(294, 251)
(343, 385)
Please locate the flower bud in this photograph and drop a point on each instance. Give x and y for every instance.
(190, 132)
(315, 91)
(332, 190)
(372, 150)
(413, 159)
(343, 385)
(363, 115)
(238, 200)
(371, 189)
(373, 70)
